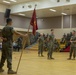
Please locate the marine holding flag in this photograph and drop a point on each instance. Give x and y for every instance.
(7, 45)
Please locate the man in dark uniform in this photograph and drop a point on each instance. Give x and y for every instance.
(73, 45)
(7, 46)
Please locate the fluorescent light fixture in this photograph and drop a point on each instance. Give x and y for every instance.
(21, 14)
(53, 10)
(13, 0)
(53, 0)
(63, 13)
(6, 1)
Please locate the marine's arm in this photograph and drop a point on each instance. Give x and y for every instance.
(18, 33)
(3, 38)
(71, 40)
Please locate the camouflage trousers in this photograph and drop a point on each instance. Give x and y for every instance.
(6, 54)
(40, 50)
(50, 52)
(72, 52)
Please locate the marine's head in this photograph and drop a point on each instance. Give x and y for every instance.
(52, 31)
(73, 32)
(9, 21)
(41, 34)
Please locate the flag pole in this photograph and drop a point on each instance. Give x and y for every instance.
(23, 47)
(22, 51)
(35, 6)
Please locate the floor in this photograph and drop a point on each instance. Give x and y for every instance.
(31, 64)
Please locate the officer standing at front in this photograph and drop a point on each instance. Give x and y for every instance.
(73, 46)
(52, 42)
(7, 46)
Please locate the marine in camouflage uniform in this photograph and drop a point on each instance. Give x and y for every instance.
(51, 43)
(49, 48)
(7, 46)
(41, 44)
(73, 46)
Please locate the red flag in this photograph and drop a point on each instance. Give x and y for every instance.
(34, 22)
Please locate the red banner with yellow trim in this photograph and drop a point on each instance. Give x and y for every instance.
(34, 22)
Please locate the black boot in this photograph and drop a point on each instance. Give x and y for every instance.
(1, 70)
(11, 71)
(52, 58)
(42, 55)
(69, 59)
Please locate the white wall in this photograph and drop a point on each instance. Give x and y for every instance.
(3, 7)
(58, 32)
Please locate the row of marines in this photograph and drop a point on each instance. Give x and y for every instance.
(50, 40)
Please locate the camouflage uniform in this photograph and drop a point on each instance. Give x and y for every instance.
(7, 32)
(51, 46)
(50, 49)
(73, 47)
(41, 44)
